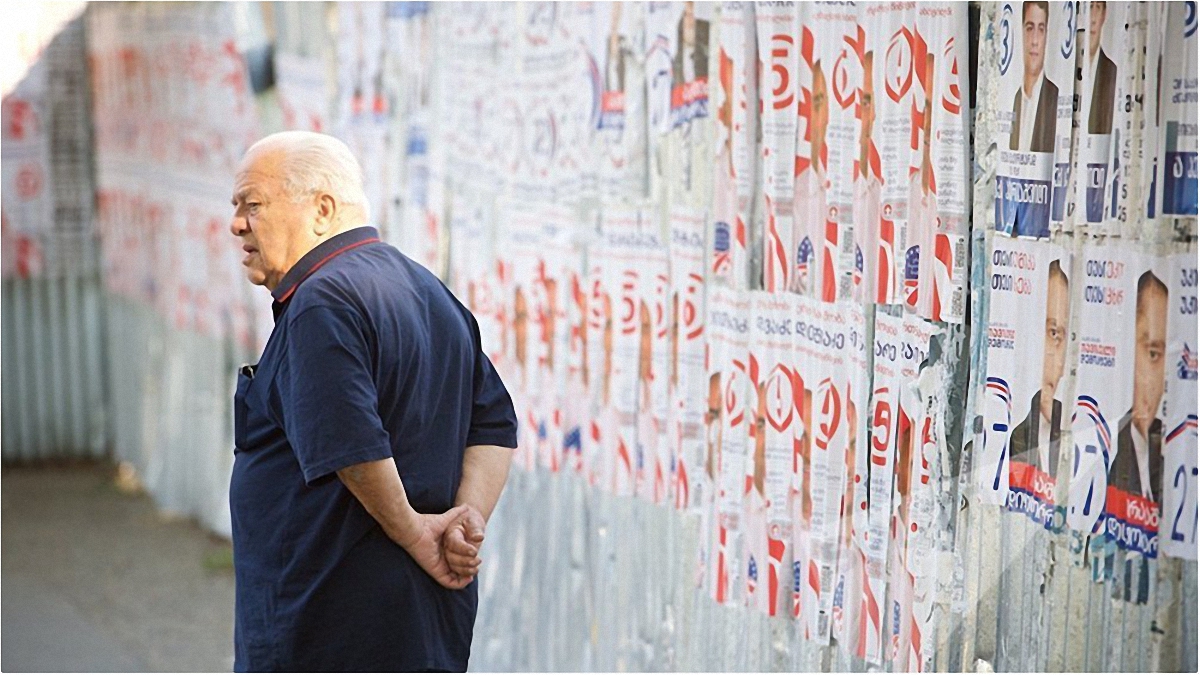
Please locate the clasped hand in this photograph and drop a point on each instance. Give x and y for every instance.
(447, 545)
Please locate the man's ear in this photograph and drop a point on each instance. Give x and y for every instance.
(326, 215)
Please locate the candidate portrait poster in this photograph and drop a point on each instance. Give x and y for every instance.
(1179, 514)
(734, 145)
(940, 187)
(1037, 41)
(830, 75)
(1118, 426)
(777, 24)
(774, 430)
(688, 381)
(1175, 95)
(1103, 117)
(884, 421)
(686, 35)
(881, 175)
(1021, 400)
(847, 603)
(728, 329)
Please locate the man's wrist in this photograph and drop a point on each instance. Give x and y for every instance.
(407, 528)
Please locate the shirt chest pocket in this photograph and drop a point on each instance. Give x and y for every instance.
(256, 424)
(240, 407)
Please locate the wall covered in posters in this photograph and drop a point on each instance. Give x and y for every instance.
(841, 336)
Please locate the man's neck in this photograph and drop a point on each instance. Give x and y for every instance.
(1031, 84)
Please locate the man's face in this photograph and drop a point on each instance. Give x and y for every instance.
(1055, 357)
(520, 324)
(714, 399)
(760, 430)
(1034, 23)
(271, 224)
(820, 110)
(1149, 361)
(868, 100)
(1097, 12)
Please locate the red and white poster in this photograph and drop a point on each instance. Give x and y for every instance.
(728, 328)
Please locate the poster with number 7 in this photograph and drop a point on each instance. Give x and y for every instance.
(1179, 512)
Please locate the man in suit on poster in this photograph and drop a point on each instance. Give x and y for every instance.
(1035, 441)
(1035, 105)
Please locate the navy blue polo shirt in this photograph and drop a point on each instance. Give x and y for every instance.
(371, 357)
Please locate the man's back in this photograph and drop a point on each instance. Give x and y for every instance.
(371, 358)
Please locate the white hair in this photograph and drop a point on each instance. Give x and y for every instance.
(313, 162)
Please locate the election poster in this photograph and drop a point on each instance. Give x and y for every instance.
(824, 337)
(301, 83)
(1037, 42)
(777, 24)
(687, 375)
(911, 507)
(29, 203)
(1103, 117)
(885, 413)
(940, 188)
(1035, 441)
(1118, 427)
(630, 244)
(830, 76)
(1021, 276)
(728, 328)
(734, 145)
(1179, 514)
(1175, 175)
(927, 469)
(652, 457)
(774, 423)
(846, 608)
(684, 149)
(881, 177)
(617, 44)
(599, 441)
(523, 302)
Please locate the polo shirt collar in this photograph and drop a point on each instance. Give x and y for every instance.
(321, 254)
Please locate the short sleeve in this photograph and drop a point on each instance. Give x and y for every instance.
(493, 420)
(327, 393)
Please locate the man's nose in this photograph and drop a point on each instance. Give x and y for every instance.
(238, 226)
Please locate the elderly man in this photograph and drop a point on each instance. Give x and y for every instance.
(373, 438)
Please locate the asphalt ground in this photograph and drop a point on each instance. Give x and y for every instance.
(94, 578)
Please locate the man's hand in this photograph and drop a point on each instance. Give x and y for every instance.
(462, 540)
(424, 544)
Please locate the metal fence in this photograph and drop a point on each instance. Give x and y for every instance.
(574, 578)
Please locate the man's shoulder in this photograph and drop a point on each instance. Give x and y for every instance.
(1049, 92)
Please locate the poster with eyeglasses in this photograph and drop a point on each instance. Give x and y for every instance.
(1037, 40)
